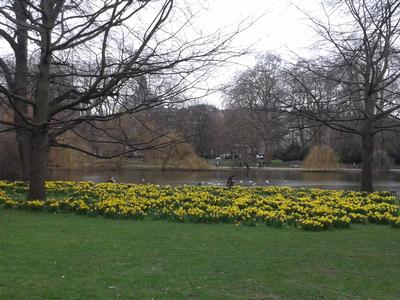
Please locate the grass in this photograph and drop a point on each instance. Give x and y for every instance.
(61, 256)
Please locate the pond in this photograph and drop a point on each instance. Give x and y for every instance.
(341, 179)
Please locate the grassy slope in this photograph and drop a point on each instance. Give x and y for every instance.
(77, 257)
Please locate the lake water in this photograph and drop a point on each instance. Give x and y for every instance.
(347, 179)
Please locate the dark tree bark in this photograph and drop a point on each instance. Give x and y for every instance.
(40, 132)
(367, 161)
(24, 148)
(38, 163)
(19, 87)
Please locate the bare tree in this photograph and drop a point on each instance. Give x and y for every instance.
(81, 63)
(256, 96)
(353, 86)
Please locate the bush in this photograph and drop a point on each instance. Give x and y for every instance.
(293, 152)
(350, 152)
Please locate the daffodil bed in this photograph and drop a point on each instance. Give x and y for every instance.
(309, 209)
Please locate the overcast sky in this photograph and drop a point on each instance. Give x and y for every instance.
(281, 27)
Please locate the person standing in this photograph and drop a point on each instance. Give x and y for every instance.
(230, 181)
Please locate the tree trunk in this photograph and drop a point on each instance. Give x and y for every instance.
(38, 164)
(367, 162)
(24, 143)
(367, 151)
(19, 87)
(40, 130)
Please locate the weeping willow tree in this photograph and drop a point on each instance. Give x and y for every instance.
(321, 157)
(176, 156)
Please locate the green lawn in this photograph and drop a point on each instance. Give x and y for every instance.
(60, 256)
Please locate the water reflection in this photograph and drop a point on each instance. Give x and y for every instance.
(254, 177)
